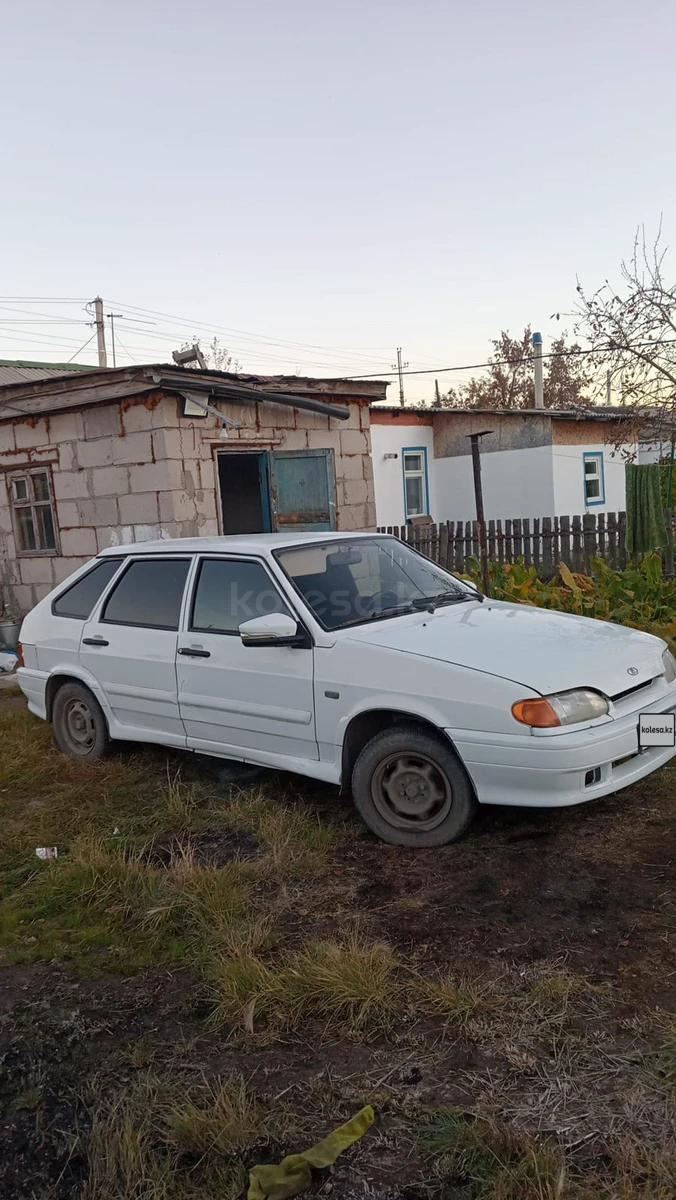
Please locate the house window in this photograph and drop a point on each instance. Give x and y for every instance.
(30, 495)
(594, 483)
(416, 489)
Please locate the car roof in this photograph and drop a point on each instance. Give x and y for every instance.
(241, 543)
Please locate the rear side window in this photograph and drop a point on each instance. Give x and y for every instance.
(231, 591)
(149, 593)
(79, 599)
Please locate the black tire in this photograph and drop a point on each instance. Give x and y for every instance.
(410, 789)
(80, 729)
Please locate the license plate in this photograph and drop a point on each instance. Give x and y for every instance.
(657, 729)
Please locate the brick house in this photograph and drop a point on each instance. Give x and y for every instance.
(94, 458)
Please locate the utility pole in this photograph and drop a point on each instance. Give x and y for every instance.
(399, 368)
(479, 499)
(537, 370)
(608, 388)
(437, 396)
(112, 317)
(100, 331)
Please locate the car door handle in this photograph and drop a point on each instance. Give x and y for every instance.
(95, 641)
(191, 653)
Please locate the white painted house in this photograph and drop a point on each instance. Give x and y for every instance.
(534, 462)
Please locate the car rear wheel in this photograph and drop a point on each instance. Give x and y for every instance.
(410, 789)
(80, 729)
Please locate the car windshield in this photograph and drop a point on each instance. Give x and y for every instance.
(365, 579)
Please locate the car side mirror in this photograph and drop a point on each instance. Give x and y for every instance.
(274, 629)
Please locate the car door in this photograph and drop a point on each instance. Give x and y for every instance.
(236, 698)
(129, 646)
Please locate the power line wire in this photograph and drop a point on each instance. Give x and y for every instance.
(89, 339)
(515, 362)
(173, 318)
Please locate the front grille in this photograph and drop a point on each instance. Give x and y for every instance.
(638, 687)
(627, 758)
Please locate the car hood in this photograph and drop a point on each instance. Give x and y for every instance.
(544, 650)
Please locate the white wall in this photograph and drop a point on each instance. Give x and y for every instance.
(388, 474)
(515, 483)
(539, 481)
(568, 463)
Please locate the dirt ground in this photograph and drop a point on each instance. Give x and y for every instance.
(557, 927)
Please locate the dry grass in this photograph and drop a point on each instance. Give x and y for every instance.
(154, 1143)
(355, 985)
(494, 1161)
(570, 1101)
(217, 1117)
(458, 997)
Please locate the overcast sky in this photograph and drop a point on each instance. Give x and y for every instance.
(347, 177)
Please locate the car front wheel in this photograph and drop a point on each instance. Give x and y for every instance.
(410, 789)
(80, 729)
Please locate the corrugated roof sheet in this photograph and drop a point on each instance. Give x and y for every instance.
(17, 371)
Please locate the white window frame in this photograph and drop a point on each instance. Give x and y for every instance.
(416, 474)
(32, 503)
(595, 456)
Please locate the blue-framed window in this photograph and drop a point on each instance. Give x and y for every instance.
(594, 481)
(416, 482)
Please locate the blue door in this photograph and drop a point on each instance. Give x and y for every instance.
(302, 490)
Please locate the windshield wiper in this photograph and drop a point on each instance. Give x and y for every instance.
(393, 611)
(450, 597)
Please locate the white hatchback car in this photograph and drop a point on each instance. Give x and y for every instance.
(352, 659)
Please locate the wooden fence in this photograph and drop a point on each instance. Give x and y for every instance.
(542, 542)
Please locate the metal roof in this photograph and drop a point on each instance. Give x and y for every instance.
(20, 371)
(65, 390)
(592, 413)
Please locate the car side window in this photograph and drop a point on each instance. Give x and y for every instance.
(230, 591)
(79, 599)
(149, 594)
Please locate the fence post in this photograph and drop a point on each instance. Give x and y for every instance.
(612, 540)
(500, 538)
(518, 540)
(491, 541)
(527, 545)
(443, 545)
(601, 535)
(589, 536)
(564, 533)
(547, 546)
(537, 545)
(509, 544)
(556, 550)
(468, 543)
(578, 561)
(622, 540)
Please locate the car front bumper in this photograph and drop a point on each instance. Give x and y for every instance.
(567, 768)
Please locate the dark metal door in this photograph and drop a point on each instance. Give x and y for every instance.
(303, 489)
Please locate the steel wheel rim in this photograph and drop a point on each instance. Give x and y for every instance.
(80, 727)
(411, 791)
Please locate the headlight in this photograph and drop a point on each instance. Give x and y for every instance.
(563, 708)
(669, 666)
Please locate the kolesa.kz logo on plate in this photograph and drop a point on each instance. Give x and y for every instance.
(657, 729)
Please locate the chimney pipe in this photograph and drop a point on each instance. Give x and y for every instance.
(537, 370)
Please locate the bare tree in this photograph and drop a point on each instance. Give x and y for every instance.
(631, 331)
(508, 382)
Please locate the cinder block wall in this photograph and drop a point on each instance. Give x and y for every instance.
(137, 469)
